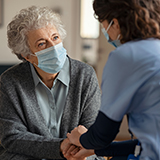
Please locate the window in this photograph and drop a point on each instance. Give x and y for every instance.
(89, 26)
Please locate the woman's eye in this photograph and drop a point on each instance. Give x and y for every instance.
(40, 44)
(55, 38)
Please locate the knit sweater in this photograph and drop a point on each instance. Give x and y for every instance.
(23, 131)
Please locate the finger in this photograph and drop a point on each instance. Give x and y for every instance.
(68, 153)
(65, 150)
(68, 135)
(71, 148)
(65, 147)
(78, 155)
(82, 153)
(75, 150)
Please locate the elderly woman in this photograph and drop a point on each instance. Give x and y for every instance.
(45, 96)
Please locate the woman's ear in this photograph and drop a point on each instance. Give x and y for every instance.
(116, 24)
(31, 58)
(26, 57)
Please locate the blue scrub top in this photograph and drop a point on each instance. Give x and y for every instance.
(131, 85)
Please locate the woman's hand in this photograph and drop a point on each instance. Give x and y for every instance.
(66, 148)
(77, 153)
(82, 153)
(74, 150)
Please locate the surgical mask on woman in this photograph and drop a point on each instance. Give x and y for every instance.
(116, 42)
(52, 59)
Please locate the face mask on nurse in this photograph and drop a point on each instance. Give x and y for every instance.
(116, 42)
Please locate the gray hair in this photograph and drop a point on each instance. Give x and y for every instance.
(28, 19)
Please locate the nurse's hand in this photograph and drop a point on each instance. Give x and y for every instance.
(75, 135)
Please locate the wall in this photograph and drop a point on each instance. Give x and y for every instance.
(69, 10)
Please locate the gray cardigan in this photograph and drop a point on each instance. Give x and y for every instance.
(23, 132)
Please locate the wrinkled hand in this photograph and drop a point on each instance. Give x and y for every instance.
(82, 153)
(75, 135)
(67, 148)
(77, 153)
(65, 145)
(73, 151)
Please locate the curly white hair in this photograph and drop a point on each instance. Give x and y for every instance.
(28, 19)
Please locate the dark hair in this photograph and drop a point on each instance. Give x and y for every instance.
(138, 19)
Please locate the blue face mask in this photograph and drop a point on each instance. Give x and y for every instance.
(116, 42)
(52, 59)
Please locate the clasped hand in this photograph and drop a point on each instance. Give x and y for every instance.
(71, 147)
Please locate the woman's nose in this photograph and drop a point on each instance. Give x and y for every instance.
(50, 44)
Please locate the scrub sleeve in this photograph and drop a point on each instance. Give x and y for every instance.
(123, 74)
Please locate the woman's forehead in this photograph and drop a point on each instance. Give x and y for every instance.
(44, 32)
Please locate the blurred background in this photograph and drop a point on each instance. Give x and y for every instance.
(84, 41)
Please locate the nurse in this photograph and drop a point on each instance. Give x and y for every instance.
(131, 78)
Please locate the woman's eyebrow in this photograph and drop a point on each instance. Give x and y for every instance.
(39, 40)
(55, 34)
(44, 38)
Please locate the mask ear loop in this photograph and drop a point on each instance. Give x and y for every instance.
(34, 56)
(109, 25)
(118, 37)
